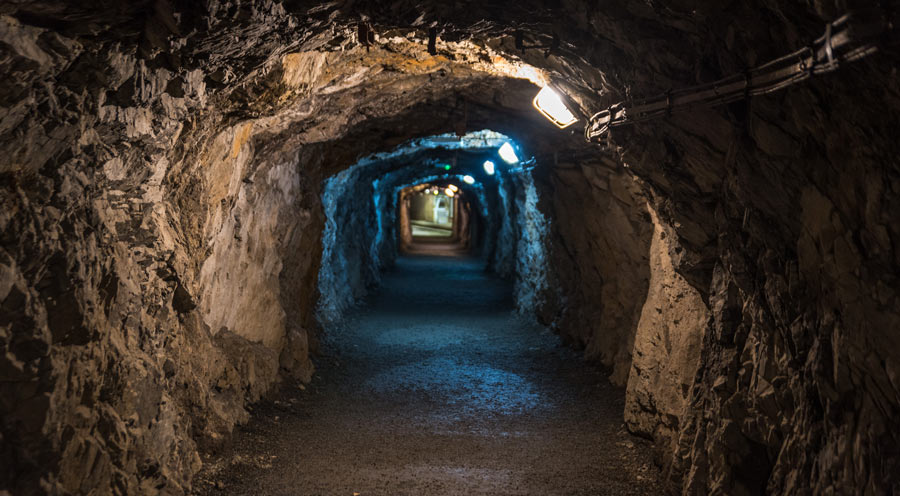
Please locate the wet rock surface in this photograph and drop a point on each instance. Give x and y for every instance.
(436, 386)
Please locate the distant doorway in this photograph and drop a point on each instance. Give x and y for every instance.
(432, 214)
(435, 218)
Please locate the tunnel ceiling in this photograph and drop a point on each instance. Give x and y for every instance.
(292, 70)
(297, 74)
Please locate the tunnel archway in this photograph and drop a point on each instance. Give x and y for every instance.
(163, 222)
(356, 250)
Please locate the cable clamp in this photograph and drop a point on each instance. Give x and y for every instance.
(811, 67)
(599, 124)
(829, 48)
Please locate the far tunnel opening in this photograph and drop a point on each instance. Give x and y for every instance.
(432, 196)
(432, 214)
(437, 300)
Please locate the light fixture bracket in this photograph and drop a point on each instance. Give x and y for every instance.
(551, 48)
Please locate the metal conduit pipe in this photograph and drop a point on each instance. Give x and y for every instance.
(849, 38)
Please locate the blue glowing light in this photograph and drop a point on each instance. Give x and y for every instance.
(508, 154)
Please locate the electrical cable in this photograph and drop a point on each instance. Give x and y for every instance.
(851, 37)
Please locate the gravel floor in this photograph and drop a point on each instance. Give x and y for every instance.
(436, 387)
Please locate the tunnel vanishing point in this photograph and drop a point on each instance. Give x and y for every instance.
(195, 195)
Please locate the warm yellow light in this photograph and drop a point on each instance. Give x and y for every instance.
(468, 179)
(453, 187)
(549, 103)
(449, 192)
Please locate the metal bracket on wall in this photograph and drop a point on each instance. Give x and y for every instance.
(552, 48)
(432, 41)
(365, 35)
(850, 38)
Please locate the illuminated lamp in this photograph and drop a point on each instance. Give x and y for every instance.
(453, 187)
(489, 167)
(549, 103)
(449, 192)
(508, 154)
(468, 179)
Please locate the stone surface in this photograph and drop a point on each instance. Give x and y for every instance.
(666, 348)
(600, 248)
(163, 175)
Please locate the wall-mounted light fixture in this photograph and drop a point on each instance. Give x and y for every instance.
(453, 187)
(549, 103)
(468, 179)
(489, 167)
(449, 192)
(508, 154)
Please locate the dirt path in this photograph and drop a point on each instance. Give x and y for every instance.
(436, 387)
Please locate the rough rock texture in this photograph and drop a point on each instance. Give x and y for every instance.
(159, 256)
(362, 226)
(781, 210)
(600, 246)
(161, 222)
(795, 253)
(666, 348)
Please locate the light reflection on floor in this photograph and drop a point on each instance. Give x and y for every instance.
(466, 388)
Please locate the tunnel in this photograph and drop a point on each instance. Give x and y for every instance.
(417, 247)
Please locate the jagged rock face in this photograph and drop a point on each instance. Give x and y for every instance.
(666, 349)
(162, 226)
(362, 205)
(791, 382)
(600, 259)
(161, 223)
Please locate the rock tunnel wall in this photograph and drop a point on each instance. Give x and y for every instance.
(780, 214)
(522, 248)
(360, 237)
(666, 353)
(618, 295)
(140, 144)
(600, 246)
(349, 264)
(793, 249)
(160, 256)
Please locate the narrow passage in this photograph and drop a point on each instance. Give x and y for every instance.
(435, 387)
